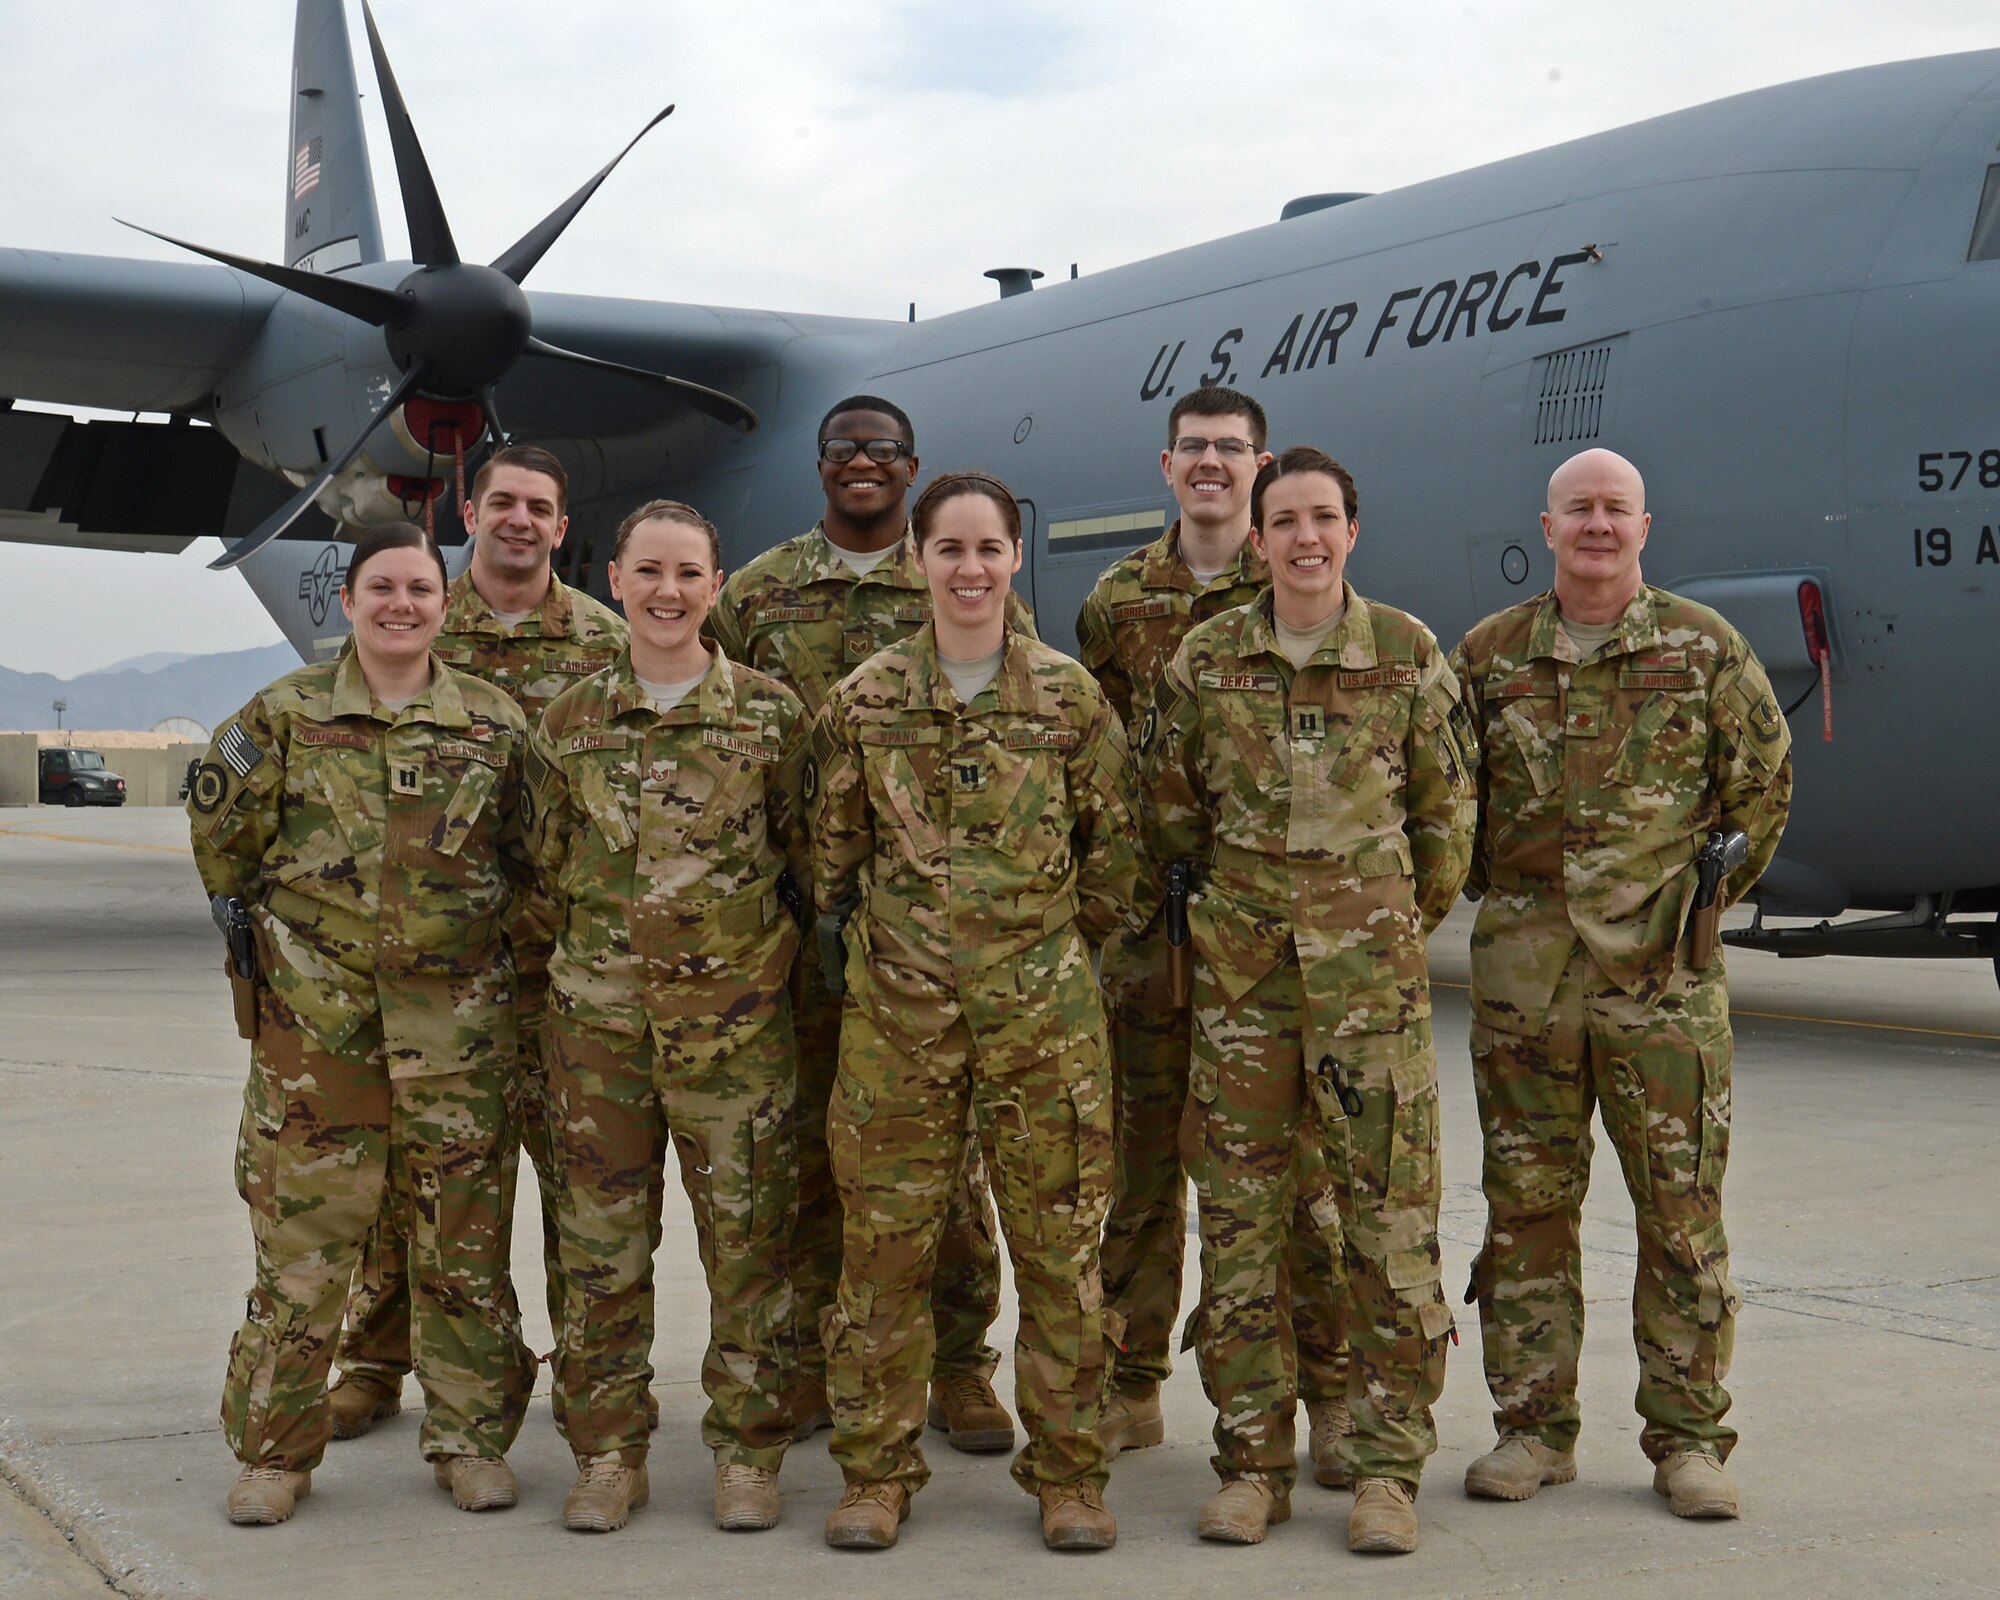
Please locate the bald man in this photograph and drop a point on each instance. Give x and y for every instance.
(1621, 727)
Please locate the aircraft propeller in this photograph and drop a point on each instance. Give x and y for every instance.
(453, 327)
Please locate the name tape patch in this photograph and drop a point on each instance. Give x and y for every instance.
(578, 743)
(459, 750)
(348, 738)
(793, 613)
(1141, 610)
(900, 736)
(1254, 682)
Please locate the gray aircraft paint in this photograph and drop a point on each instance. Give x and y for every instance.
(1766, 302)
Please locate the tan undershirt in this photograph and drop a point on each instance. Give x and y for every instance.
(1588, 637)
(970, 678)
(1298, 644)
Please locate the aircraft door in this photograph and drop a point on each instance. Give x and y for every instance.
(1024, 580)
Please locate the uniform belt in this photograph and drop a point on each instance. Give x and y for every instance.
(1374, 858)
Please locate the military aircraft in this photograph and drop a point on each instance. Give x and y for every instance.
(1782, 304)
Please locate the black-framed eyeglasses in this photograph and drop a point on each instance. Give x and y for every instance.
(1195, 448)
(838, 452)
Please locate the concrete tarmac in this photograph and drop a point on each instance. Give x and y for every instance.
(1860, 1205)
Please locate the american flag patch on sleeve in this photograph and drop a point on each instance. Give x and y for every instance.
(235, 748)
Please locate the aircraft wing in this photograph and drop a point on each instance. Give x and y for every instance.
(119, 334)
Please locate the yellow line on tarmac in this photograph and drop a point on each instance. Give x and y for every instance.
(1830, 1022)
(108, 844)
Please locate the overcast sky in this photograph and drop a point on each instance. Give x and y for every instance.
(843, 159)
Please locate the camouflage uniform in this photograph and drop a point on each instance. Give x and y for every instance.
(1130, 626)
(1331, 808)
(1599, 781)
(379, 853)
(988, 845)
(569, 638)
(663, 837)
(800, 613)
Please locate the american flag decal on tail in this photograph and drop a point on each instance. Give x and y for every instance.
(305, 169)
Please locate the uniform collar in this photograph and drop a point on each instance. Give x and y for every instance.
(1164, 567)
(713, 700)
(1351, 645)
(1638, 629)
(466, 610)
(925, 683)
(819, 562)
(440, 703)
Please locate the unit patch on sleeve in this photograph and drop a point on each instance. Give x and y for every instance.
(210, 784)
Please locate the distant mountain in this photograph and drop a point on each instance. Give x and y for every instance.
(207, 688)
(151, 661)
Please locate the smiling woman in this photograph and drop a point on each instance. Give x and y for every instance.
(364, 812)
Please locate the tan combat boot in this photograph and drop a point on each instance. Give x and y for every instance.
(1516, 1467)
(1331, 1422)
(1130, 1422)
(1384, 1519)
(968, 1412)
(746, 1498)
(264, 1495)
(1074, 1517)
(477, 1483)
(868, 1516)
(605, 1494)
(1695, 1485)
(358, 1400)
(1242, 1511)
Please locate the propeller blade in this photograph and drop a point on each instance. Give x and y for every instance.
(288, 513)
(725, 408)
(492, 413)
(430, 235)
(383, 307)
(519, 259)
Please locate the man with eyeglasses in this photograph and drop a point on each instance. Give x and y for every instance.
(809, 612)
(1131, 624)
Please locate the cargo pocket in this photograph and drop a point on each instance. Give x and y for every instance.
(848, 1110)
(1090, 1097)
(1716, 1306)
(1416, 1277)
(1715, 1059)
(1412, 1177)
(1193, 1136)
(698, 1178)
(1011, 1138)
(257, 1138)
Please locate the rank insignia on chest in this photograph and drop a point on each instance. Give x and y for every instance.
(1308, 722)
(405, 777)
(967, 776)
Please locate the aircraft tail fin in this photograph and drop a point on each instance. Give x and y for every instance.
(330, 216)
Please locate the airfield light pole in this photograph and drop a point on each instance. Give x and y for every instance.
(61, 707)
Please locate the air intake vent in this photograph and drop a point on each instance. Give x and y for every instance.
(1572, 390)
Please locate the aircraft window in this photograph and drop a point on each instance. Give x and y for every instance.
(1986, 228)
